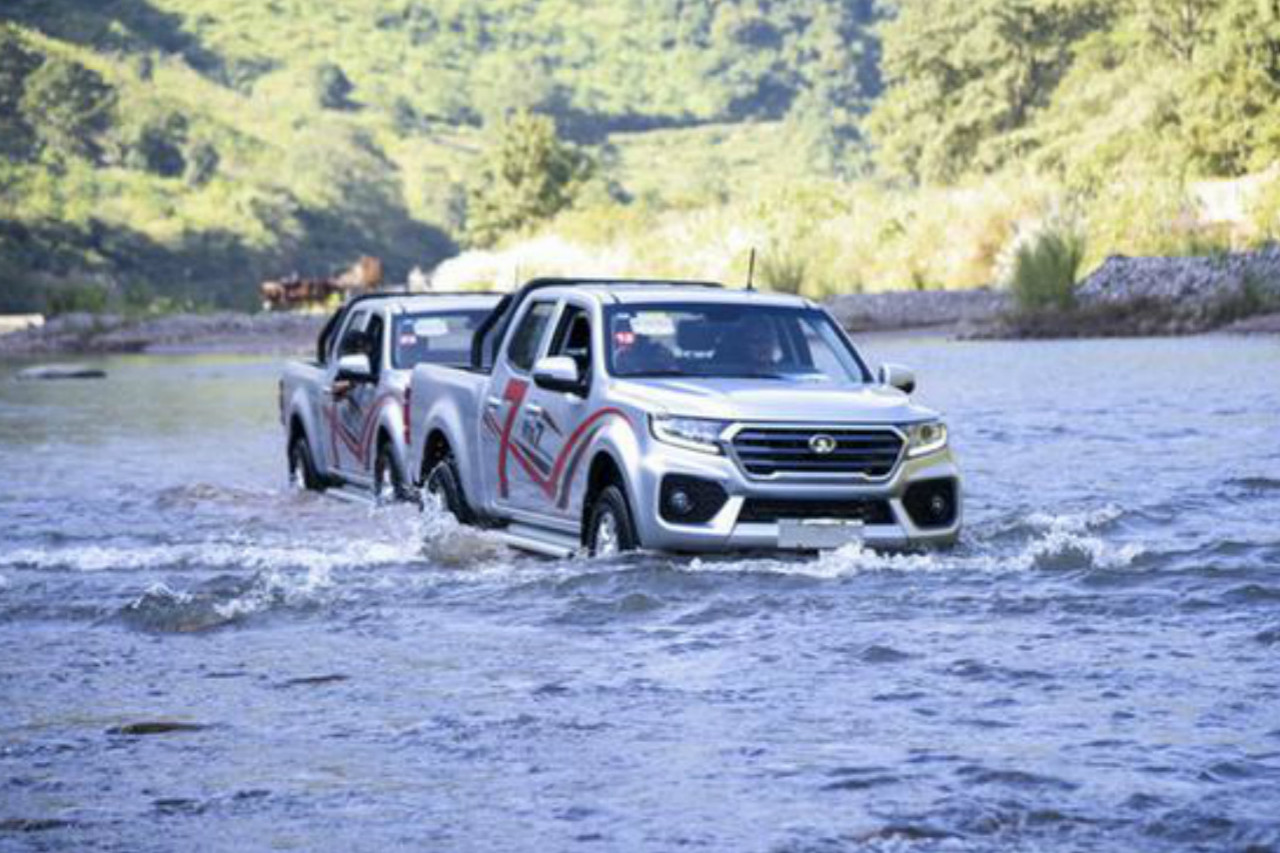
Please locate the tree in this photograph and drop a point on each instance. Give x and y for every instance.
(333, 89)
(1178, 26)
(528, 176)
(158, 146)
(70, 107)
(17, 136)
(202, 163)
(838, 56)
(1231, 118)
(965, 75)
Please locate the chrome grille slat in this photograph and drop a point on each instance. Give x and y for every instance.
(867, 453)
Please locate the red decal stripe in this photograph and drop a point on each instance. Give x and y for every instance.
(558, 475)
(514, 395)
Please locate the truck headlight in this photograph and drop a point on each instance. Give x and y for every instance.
(925, 438)
(701, 434)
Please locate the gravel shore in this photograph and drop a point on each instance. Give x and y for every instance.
(266, 334)
(1234, 293)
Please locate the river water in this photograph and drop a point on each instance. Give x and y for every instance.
(1096, 666)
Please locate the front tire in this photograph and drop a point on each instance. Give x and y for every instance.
(610, 529)
(302, 470)
(444, 484)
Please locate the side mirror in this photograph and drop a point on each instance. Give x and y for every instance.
(355, 368)
(558, 373)
(897, 376)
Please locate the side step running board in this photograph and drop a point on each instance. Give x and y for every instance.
(351, 494)
(539, 540)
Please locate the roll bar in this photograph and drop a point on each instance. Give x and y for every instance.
(495, 325)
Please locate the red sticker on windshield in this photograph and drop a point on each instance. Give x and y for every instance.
(624, 339)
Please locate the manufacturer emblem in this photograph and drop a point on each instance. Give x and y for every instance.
(822, 445)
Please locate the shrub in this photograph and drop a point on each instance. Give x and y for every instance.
(1045, 266)
(783, 271)
(90, 298)
(332, 87)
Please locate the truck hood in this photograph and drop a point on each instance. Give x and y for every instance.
(769, 400)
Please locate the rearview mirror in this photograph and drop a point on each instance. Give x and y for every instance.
(557, 373)
(897, 376)
(355, 368)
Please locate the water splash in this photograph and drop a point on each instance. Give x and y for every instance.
(230, 553)
(448, 543)
(225, 600)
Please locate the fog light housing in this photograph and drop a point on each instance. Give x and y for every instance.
(931, 503)
(680, 502)
(690, 500)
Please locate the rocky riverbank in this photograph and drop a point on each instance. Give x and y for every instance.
(221, 332)
(1238, 293)
(1233, 292)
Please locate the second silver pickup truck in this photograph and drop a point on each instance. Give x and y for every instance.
(684, 417)
(343, 412)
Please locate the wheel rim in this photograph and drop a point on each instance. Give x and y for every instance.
(607, 535)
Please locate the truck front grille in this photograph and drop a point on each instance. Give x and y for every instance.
(869, 453)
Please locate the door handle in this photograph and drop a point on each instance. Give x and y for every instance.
(494, 403)
(534, 409)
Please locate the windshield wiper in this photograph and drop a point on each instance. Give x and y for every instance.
(685, 374)
(657, 374)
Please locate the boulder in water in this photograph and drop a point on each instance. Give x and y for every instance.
(154, 727)
(61, 371)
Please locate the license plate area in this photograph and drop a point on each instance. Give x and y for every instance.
(811, 534)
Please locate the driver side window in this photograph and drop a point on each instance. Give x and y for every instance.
(573, 338)
(354, 341)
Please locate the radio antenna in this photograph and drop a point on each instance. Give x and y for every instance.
(751, 270)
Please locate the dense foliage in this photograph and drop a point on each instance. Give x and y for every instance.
(178, 151)
(1082, 88)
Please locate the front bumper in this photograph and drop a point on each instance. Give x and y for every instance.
(724, 532)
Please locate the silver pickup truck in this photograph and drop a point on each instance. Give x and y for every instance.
(682, 417)
(343, 413)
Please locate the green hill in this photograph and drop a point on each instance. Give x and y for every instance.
(187, 148)
(168, 152)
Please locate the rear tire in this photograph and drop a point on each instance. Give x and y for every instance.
(388, 485)
(610, 529)
(302, 470)
(443, 483)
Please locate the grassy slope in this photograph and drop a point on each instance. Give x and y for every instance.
(306, 188)
(297, 187)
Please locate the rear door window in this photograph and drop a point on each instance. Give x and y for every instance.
(527, 337)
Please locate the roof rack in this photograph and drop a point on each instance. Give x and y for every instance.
(497, 321)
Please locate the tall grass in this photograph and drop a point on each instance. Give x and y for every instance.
(783, 271)
(1046, 267)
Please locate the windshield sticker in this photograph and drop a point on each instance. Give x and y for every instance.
(624, 339)
(408, 339)
(430, 327)
(653, 324)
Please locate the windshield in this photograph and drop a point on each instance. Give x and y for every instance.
(729, 340)
(434, 337)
